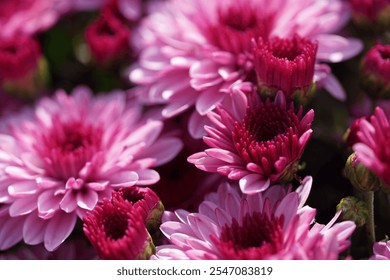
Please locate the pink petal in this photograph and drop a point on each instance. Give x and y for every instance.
(288, 207)
(208, 99)
(58, 229)
(164, 150)
(334, 48)
(48, 204)
(10, 232)
(87, 199)
(304, 190)
(334, 87)
(34, 229)
(147, 133)
(223, 155)
(169, 228)
(23, 206)
(124, 178)
(69, 202)
(196, 125)
(23, 188)
(253, 183)
(147, 177)
(204, 70)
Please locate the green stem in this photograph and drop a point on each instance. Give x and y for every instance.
(370, 223)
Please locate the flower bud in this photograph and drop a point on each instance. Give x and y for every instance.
(23, 69)
(117, 232)
(108, 39)
(360, 176)
(286, 65)
(146, 202)
(371, 15)
(353, 209)
(375, 71)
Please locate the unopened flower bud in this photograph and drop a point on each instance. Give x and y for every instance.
(371, 15)
(108, 39)
(353, 209)
(117, 232)
(23, 69)
(375, 71)
(360, 176)
(286, 65)
(146, 202)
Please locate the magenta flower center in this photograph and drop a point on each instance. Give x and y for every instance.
(385, 53)
(115, 225)
(68, 147)
(257, 237)
(236, 27)
(132, 195)
(263, 131)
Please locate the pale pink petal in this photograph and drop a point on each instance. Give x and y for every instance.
(58, 229)
(253, 183)
(34, 229)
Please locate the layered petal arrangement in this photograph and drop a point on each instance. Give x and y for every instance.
(258, 143)
(270, 225)
(372, 148)
(60, 158)
(191, 52)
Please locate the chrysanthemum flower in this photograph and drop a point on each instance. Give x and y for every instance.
(372, 148)
(191, 52)
(381, 251)
(257, 143)
(117, 231)
(269, 225)
(59, 159)
(27, 17)
(375, 71)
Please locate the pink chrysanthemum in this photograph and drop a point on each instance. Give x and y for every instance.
(117, 231)
(381, 251)
(191, 52)
(59, 159)
(258, 143)
(372, 147)
(269, 225)
(27, 17)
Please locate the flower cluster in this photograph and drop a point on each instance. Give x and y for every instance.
(194, 129)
